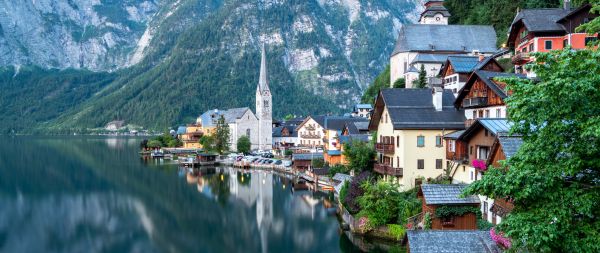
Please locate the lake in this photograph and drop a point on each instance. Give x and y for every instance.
(96, 194)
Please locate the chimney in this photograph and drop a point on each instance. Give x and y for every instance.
(481, 57)
(437, 94)
(567, 4)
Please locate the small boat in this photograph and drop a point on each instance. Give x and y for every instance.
(157, 154)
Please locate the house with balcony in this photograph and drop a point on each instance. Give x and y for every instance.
(410, 125)
(458, 68)
(483, 95)
(311, 132)
(546, 29)
(333, 128)
(284, 136)
(484, 143)
(190, 135)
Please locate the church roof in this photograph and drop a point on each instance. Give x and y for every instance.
(263, 81)
(446, 38)
(210, 117)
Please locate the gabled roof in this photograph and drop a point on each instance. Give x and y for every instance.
(488, 77)
(354, 137)
(413, 109)
(541, 20)
(338, 123)
(446, 194)
(463, 64)
(278, 131)
(510, 144)
(430, 58)
(210, 117)
(306, 156)
(435, 9)
(494, 125)
(454, 135)
(451, 241)
(320, 119)
(363, 106)
(445, 38)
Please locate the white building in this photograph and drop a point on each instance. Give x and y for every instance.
(264, 103)
(310, 132)
(430, 42)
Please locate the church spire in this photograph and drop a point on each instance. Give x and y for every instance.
(263, 82)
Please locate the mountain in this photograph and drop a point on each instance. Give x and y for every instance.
(164, 62)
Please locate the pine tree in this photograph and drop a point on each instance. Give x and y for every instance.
(422, 80)
(222, 136)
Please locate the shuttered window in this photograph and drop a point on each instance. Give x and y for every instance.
(420, 164)
(438, 164)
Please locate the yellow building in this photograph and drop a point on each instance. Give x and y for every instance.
(410, 125)
(190, 135)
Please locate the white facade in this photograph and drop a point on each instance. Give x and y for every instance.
(437, 19)
(453, 83)
(245, 125)
(264, 104)
(310, 133)
(487, 112)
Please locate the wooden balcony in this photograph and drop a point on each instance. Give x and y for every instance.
(310, 136)
(475, 102)
(384, 148)
(386, 169)
(520, 58)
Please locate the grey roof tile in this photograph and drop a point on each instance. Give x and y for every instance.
(542, 20)
(453, 38)
(446, 194)
(306, 156)
(510, 144)
(451, 241)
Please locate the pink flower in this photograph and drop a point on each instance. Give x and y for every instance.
(500, 239)
(480, 165)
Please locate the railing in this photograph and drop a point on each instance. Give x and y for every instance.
(384, 148)
(520, 58)
(476, 101)
(310, 128)
(310, 136)
(460, 158)
(386, 169)
(415, 222)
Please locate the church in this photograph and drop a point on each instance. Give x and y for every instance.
(242, 121)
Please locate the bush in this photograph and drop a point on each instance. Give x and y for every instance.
(318, 163)
(355, 191)
(397, 231)
(379, 202)
(360, 155)
(243, 144)
(288, 152)
(344, 191)
(337, 169)
(154, 144)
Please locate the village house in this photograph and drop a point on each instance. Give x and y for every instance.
(483, 95)
(430, 42)
(190, 135)
(410, 125)
(362, 110)
(484, 143)
(333, 128)
(435, 196)
(310, 132)
(546, 29)
(458, 68)
(241, 121)
(284, 136)
(450, 241)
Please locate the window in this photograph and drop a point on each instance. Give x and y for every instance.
(498, 113)
(483, 152)
(386, 116)
(485, 132)
(471, 175)
(481, 113)
(397, 161)
(565, 43)
(438, 164)
(474, 114)
(590, 39)
(470, 150)
(451, 146)
(420, 141)
(420, 164)
(438, 141)
(487, 113)
(531, 47)
(548, 45)
(248, 132)
(266, 103)
(397, 141)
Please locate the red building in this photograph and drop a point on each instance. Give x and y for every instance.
(542, 30)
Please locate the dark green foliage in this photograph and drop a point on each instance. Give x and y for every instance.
(360, 155)
(338, 169)
(208, 143)
(498, 13)
(288, 152)
(154, 144)
(221, 136)
(383, 204)
(243, 144)
(382, 81)
(318, 163)
(449, 211)
(400, 83)
(355, 191)
(165, 140)
(32, 96)
(553, 179)
(593, 26)
(344, 191)
(421, 81)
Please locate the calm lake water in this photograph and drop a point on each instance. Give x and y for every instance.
(95, 194)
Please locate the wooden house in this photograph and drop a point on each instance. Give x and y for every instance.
(458, 68)
(447, 196)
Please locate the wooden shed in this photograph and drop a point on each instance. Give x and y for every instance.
(449, 211)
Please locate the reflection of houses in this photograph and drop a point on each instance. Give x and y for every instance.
(449, 241)
(241, 121)
(429, 43)
(410, 124)
(545, 29)
(310, 131)
(334, 126)
(447, 196)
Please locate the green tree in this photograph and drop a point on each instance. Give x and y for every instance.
(380, 82)
(554, 178)
(288, 117)
(154, 144)
(208, 143)
(400, 83)
(593, 26)
(318, 163)
(360, 155)
(421, 81)
(243, 144)
(221, 136)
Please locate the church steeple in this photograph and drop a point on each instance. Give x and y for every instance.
(263, 81)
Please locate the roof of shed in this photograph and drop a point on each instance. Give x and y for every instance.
(443, 194)
(451, 241)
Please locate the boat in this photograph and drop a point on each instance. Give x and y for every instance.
(157, 154)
